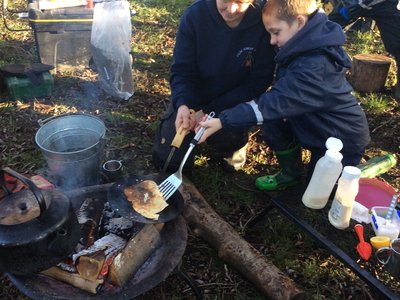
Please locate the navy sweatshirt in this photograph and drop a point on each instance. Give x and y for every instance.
(216, 67)
(311, 91)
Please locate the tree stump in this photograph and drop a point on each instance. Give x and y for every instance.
(369, 72)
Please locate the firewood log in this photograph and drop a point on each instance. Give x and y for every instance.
(89, 266)
(89, 217)
(73, 279)
(108, 243)
(233, 249)
(134, 254)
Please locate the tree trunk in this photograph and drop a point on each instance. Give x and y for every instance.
(233, 249)
(369, 72)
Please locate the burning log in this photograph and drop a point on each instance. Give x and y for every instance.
(89, 267)
(135, 253)
(207, 224)
(74, 279)
(89, 217)
(90, 262)
(107, 264)
(109, 244)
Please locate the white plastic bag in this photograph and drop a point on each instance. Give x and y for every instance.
(111, 46)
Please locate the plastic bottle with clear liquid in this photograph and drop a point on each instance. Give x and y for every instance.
(326, 173)
(340, 212)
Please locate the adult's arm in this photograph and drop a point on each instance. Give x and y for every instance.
(184, 74)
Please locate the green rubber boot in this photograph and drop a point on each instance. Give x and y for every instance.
(289, 175)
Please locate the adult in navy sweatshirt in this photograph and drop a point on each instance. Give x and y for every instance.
(221, 58)
(309, 102)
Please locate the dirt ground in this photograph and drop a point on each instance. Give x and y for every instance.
(200, 262)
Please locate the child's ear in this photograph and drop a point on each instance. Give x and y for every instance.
(301, 21)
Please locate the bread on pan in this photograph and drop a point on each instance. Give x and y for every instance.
(146, 198)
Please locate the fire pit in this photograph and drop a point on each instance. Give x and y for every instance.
(158, 266)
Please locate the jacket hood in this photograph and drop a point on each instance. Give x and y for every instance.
(251, 17)
(318, 34)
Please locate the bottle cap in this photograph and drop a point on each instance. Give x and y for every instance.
(350, 172)
(89, 4)
(334, 144)
(334, 156)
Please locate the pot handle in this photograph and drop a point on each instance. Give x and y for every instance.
(35, 190)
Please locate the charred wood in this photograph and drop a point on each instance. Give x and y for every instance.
(89, 217)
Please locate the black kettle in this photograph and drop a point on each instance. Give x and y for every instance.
(38, 228)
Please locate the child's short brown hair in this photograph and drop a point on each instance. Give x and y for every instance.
(288, 10)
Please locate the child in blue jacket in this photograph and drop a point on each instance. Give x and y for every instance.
(311, 99)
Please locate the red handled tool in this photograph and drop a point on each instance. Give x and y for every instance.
(363, 248)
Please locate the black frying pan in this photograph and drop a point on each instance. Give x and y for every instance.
(123, 207)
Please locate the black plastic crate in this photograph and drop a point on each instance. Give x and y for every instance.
(62, 35)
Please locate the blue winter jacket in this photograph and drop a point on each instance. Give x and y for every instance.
(311, 91)
(216, 67)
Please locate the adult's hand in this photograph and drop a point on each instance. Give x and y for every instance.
(185, 118)
(211, 126)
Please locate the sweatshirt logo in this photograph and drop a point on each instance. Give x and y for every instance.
(248, 54)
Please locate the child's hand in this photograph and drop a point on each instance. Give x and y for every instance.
(200, 116)
(211, 126)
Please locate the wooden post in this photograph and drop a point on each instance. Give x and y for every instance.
(369, 72)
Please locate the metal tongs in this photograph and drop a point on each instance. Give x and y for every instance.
(173, 182)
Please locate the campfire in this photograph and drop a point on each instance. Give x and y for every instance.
(110, 251)
(118, 255)
(114, 255)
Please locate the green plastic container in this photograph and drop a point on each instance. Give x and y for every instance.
(377, 165)
(23, 88)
